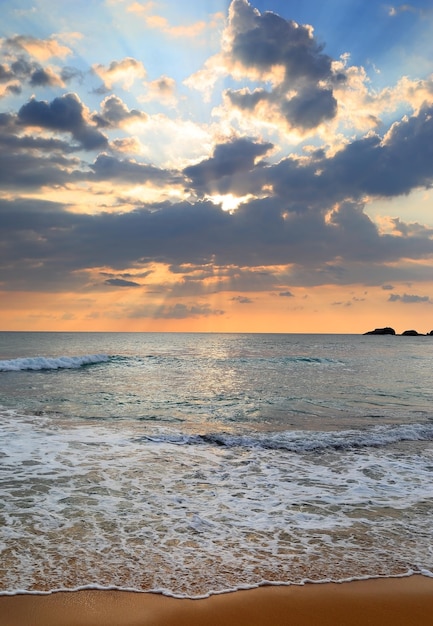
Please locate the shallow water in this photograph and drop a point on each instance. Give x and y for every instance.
(193, 464)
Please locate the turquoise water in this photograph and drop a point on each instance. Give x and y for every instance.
(193, 464)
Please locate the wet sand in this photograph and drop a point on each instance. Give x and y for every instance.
(380, 602)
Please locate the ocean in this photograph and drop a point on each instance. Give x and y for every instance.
(192, 464)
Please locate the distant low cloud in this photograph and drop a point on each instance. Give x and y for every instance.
(184, 311)
(408, 299)
(242, 300)
(347, 303)
(120, 282)
(286, 294)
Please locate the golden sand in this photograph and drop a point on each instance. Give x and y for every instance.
(379, 602)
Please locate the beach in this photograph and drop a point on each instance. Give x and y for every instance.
(234, 473)
(377, 602)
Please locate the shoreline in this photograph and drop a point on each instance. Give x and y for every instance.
(375, 601)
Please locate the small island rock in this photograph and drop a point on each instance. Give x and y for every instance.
(381, 331)
(411, 333)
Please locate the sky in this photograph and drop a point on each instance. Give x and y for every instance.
(216, 166)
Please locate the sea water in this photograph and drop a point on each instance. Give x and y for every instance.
(191, 464)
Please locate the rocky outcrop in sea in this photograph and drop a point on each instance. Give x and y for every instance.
(390, 331)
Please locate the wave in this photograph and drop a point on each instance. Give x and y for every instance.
(305, 441)
(51, 363)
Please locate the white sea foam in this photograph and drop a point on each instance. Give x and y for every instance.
(51, 363)
(94, 504)
(222, 462)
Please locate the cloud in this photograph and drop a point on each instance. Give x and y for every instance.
(218, 172)
(176, 311)
(347, 303)
(265, 47)
(286, 294)
(115, 113)
(183, 311)
(63, 114)
(20, 70)
(69, 74)
(120, 282)
(127, 171)
(41, 49)
(124, 72)
(242, 300)
(128, 145)
(408, 299)
(200, 233)
(392, 166)
(45, 78)
(163, 89)
(158, 22)
(298, 219)
(408, 230)
(402, 8)
(28, 161)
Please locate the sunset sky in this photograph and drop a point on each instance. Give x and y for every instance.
(207, 165)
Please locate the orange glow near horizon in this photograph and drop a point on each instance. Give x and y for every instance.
(324, 309)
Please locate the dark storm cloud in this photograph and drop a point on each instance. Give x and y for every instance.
(63, 114)
(261, 42)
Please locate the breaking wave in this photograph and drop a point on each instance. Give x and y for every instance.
(51, 363)
(305, 441)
